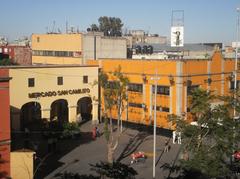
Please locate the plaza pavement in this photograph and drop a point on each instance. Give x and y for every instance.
(78, 159)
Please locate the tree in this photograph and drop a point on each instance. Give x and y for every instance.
(208, 146)
(114, 97)
(110, 26)
(7, 62)
(115, 170)
(94, 27)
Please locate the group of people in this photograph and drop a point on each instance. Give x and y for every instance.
(177, 137)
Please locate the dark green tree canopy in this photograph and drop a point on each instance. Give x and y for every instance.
(7, 62)
(207, 147)
(110, 26)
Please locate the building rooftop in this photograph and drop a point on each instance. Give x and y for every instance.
(186, 47)
(46, 66)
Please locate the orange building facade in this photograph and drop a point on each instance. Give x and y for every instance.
(175, 80)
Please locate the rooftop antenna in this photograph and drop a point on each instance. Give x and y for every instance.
(53, 29)
(66, 27)
(148, 32)
(125, 31)
(72, 29)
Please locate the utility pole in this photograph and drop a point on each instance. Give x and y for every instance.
(156, 78)
(236, 62)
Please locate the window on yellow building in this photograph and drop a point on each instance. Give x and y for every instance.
(161, 108)
(31, 82)
(135, 87)
(232, 84)
(52, 53)
(85, 79)
(162, 90)
(60, 80)
(136, 105)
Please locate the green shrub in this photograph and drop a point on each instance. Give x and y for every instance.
(70, 130)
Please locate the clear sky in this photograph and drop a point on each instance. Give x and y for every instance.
(204, 20)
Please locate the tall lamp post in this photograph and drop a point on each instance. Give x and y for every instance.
(156, 78)
(236, 59)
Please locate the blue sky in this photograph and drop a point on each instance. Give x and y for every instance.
(204, 20)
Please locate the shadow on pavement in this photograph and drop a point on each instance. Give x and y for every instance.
(147, 128)
(133, 144)
(47, 157)
(159, 158)
(64, 146)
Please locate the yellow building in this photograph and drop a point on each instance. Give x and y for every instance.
(57, 49)
(177, 77)
(75, 48)
(57, 92)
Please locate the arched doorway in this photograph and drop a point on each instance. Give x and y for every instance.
(59, 111)
(30, 116)
(84, 108)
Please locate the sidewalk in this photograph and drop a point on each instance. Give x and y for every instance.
(78, 160)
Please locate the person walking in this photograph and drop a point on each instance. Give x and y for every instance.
(97, 132)
(179, 138)
(166, 147)
(94, 133)
(174, 136)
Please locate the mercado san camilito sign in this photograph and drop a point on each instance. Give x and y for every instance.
(58, 93)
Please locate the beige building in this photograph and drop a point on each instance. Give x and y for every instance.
(22, 164)
(97, 46)
(57, 49)
(76, 48)
(139, 36)
(57, 92)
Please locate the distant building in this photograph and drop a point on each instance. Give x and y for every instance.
(3, 41)
(19, 54)
(22, 55)
(96, 46)
(75, 48)
(139, 36)
(163, 51)
(23, 41)
(155, 39)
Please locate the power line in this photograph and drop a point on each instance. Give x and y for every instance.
(52, 74)
(181, 76)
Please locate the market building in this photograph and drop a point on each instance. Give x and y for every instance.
(176, 78)
(64, 93)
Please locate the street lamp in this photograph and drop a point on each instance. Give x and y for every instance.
(236, 60)
(156, 78)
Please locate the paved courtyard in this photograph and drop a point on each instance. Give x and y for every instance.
(76, 155)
